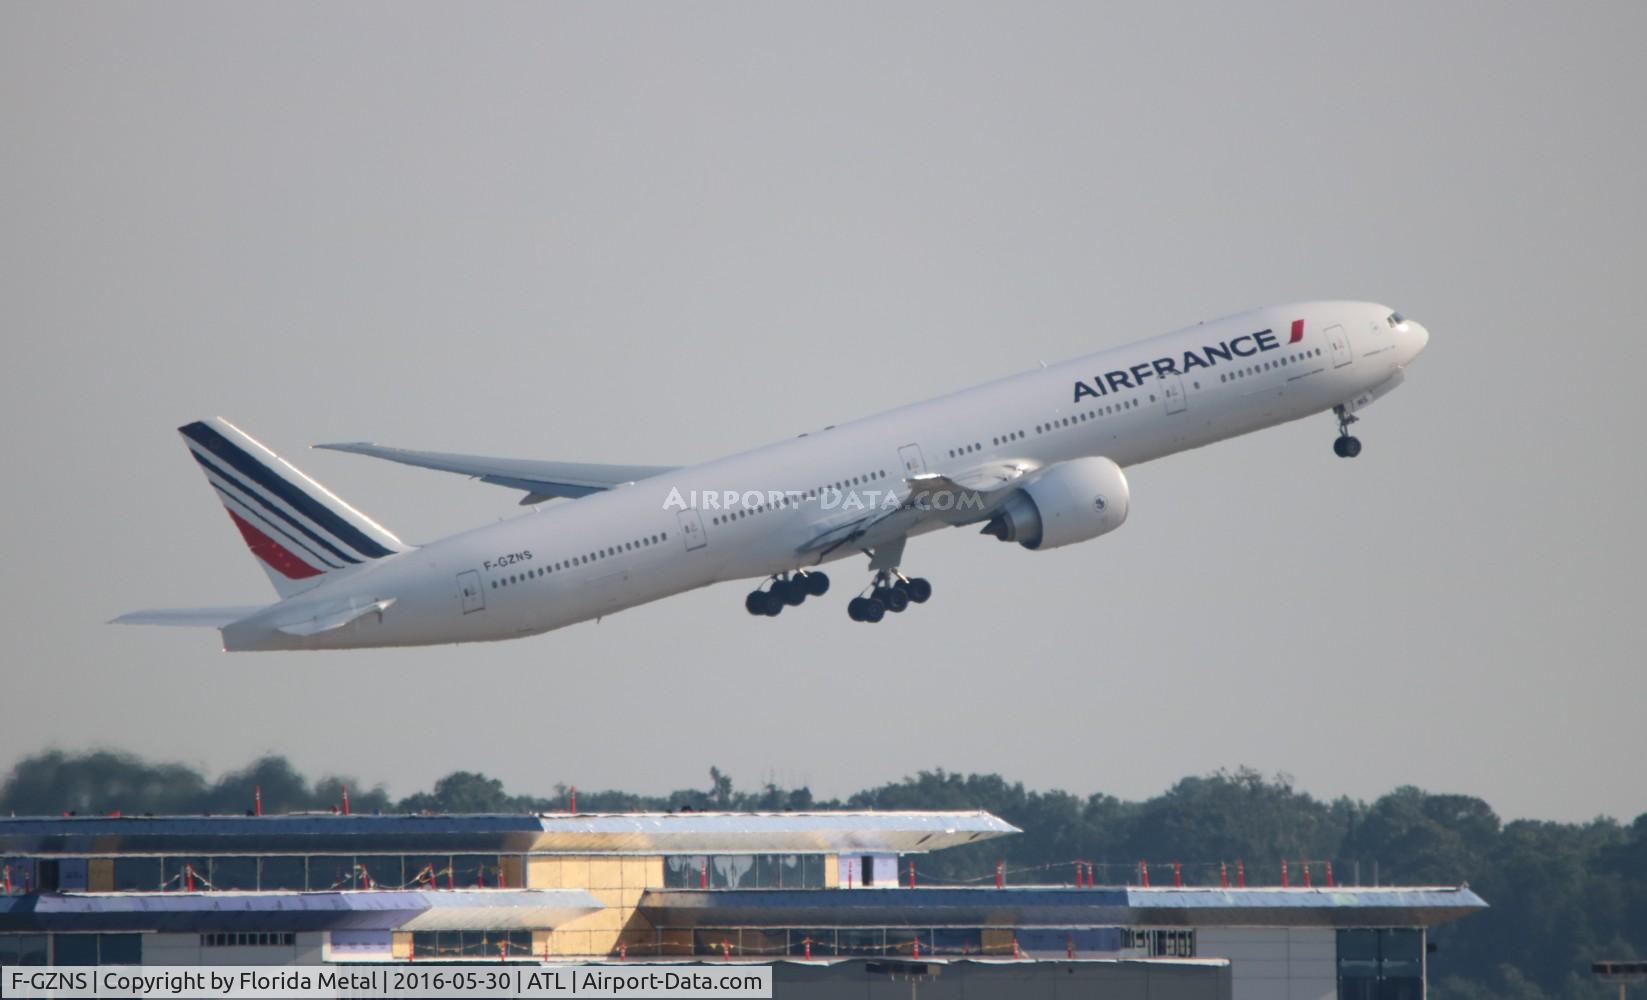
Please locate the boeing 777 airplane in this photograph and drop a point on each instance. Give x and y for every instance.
(1035, 459)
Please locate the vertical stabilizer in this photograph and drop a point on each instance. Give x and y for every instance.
(298, 530)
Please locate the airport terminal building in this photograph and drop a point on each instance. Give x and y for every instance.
(822, 894)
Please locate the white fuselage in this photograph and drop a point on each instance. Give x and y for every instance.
(541, 571)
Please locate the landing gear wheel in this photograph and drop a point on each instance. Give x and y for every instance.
(793, 592)
(774, 603)
(1347, 446)
(817, 584)
(865, 609)
(755, 603)
(890, 593)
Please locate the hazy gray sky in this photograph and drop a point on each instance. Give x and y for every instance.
(667, 233)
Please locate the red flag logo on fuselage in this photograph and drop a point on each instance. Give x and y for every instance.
(1297, 331)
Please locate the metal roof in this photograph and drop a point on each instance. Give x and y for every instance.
(297, 833)
(372, 910)
(767, 833)
(501, 909)
(1058, 905)
(558, 833)
(1341, 906)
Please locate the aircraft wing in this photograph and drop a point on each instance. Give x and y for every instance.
(983, 479)
(965, 496)
(540, 480)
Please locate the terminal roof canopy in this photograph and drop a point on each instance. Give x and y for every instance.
(551, 833)
(763, 833)
(364, 910)
(1021, 905)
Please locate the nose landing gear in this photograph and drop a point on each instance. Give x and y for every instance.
(1346, 445)
(891, 592)
(788, 590)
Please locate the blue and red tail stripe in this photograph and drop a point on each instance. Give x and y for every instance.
(272, 552)
(304, 550)
(232, 487)
(256, 473)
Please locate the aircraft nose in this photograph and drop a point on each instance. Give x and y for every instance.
(1421, 337)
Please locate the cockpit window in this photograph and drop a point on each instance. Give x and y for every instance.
(1396, 319)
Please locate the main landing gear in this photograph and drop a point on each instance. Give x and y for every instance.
(1346, 445)
(788, 590)
(891, 591)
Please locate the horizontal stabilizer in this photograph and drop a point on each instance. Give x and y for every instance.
(540, 480)
(191, 617)
(336, 617)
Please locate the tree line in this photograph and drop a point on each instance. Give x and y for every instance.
(1561, 894)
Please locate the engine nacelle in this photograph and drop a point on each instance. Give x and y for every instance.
(1067, 503)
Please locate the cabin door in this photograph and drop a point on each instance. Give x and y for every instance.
(1339, 343)
(914, 464)
(1172, 386)
(471, 592)
(692, 530)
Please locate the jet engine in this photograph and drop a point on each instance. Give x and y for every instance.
(1067, 503)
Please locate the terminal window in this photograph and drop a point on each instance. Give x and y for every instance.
(137, 874)
(1159, 943)
(471, 944)
(743, 871)
(233, 873)
(290, 873)
(883, 942)
(296, 873)
(1386, 964)
(97, 949)
(23, 949)
(248, 939)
